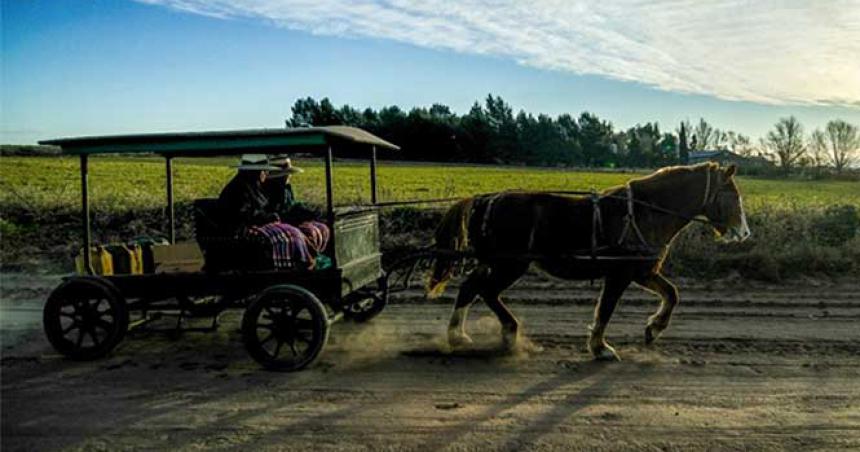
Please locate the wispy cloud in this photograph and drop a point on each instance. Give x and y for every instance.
(773, 52)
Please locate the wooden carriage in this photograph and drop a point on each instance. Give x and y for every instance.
(287, 314)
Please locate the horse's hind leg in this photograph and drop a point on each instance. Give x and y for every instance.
(669, 299)
(465, 297)
(613, 287)
(500, 278)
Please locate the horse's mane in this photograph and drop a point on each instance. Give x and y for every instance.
(669, 171)
(663, 175)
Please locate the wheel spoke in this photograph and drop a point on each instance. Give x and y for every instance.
(71, 327)
(304, 324)
(293, 348)
(103, 324)
(80, 338)
(266, 326)
(278, 349)
(94, 337)
(272, 315)
(302, 337)
(89, 305)
(266, 339)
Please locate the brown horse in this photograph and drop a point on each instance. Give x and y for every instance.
(622, 236)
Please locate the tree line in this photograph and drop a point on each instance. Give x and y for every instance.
(492, 133)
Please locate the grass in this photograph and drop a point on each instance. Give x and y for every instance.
(799, 227)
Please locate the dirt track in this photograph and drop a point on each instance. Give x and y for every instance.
(757, 368)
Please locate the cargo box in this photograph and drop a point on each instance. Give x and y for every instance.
(178, 258)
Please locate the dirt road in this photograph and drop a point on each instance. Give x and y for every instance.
(752, 367)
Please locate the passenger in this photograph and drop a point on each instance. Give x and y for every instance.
(279, 190)
(247, 211)
(242, 201)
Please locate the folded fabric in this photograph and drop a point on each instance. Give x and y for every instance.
(317, 235)
(289, 245)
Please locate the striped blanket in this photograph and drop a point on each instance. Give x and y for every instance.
(294, 247)
(316, 235)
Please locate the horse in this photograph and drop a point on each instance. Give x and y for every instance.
(621, 235)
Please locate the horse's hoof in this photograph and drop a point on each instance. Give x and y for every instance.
(606, 353)
(651, 334)
(510, 340)
(459, 340)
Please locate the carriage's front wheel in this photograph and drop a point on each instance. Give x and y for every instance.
(85, 318)
(285, 328)
(363, 306)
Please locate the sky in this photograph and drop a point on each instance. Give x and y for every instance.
(76, 67)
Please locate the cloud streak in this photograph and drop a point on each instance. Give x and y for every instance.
(770, 52)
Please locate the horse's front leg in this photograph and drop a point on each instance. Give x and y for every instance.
(613, 287)
(668, 293)
(457, 336)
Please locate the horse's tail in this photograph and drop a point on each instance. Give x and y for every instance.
(452, 234)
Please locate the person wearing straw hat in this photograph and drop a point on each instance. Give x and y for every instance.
(245, 207)
(279, 189)
(243, 202)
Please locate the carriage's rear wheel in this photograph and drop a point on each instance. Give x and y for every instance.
(85, 318)
(285, 328)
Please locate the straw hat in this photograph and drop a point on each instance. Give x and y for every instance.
(285, 166)
(255, 162)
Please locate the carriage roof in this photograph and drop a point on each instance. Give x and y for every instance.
(224, 142)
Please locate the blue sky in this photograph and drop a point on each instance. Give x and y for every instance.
(100, 67)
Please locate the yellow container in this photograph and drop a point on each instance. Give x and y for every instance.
(136, 252)
(100, 258)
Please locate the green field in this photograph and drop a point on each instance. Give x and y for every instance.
(799, 227)
(121, 184)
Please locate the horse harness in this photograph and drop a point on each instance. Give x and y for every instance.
(640, 245)
(640, 248)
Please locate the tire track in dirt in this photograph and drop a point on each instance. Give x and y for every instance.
(739, 368)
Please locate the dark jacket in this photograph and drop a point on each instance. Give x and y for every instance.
(282, 201)
(243, 203)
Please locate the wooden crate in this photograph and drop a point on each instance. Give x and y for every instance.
(178, 258)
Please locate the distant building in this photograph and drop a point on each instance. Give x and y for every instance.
(725, 157)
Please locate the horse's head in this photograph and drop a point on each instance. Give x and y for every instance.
(723, 205)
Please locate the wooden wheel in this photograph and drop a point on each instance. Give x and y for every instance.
(285, 328)
(85, 318)
(365, 305)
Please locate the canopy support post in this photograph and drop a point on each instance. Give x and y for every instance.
(329, 200)
(373, 193)
(329, 187)
(85, 214)
(171, 219)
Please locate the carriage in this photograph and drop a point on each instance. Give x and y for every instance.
(287, 312)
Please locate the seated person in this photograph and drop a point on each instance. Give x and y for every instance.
(247, 211)
(282, 200)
